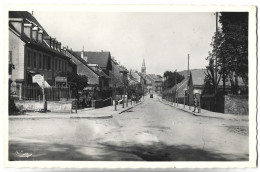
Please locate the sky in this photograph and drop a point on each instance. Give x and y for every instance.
(164, 40)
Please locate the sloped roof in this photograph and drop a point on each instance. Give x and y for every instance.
(98, 72)
(28, 18)
(135, 76)
(103, 58)
(198, 75)
(26, 15)
(156, 78)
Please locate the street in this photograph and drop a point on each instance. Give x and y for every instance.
(151, 131)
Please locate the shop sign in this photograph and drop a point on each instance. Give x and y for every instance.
(60, 79)
(37, 78)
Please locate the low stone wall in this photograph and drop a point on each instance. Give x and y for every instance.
(27, 105)
(59, 106)
(53, 106)
(229, 104)
(236, 104)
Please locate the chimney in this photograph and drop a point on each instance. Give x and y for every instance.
(82, 54)
(35, 33)
(85, 58)
(47, 39)
(17, 24)
(63, 49)
(59, 46)
(52, 43)
(40, 33)
(28, 30)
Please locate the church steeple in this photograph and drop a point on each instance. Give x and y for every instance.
(143, 69)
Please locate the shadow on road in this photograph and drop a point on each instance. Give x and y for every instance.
(110, 152)
(162, 152)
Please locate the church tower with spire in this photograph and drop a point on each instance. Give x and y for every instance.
(143, 69)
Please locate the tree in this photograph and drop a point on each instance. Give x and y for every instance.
(172, 78)
(229, 56)
(76, 82)
(234, 47)
(212, 78)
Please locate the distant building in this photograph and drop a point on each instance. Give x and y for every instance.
(101, 60)
(116, 75)
(96, 77)
(32, 51)
(134, 78)
(154, 83)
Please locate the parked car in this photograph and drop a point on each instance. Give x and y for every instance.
(151, 95)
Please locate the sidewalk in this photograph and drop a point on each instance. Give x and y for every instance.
(105, 112)
(206, 113)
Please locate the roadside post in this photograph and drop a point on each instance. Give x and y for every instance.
(185, 91)
(189, 101)
(39, 79)
(184, 100)
(177, 101)
(126, 100)
(74, 106)
(115, 104)
(199, 103)
(123, 102)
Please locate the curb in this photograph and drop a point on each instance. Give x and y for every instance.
(73, 117)
(130, 107)
(195, 114)
(91, 117)
(40, 117)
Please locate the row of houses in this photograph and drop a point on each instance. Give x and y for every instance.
(32, 51)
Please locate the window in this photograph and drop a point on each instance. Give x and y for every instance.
(43, 60)
(59, 65)
(65, 67)
(48, 62)
(56, 64)
(29, 59)
(40, 61)
(10, 57)
(34, 60)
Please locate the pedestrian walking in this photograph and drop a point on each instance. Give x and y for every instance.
(196, 104)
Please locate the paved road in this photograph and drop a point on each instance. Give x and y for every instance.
(151, 131)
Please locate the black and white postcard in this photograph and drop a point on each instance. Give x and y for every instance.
(130, 86)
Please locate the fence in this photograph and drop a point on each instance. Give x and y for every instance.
(102, 103)
(34, 92)
(213, 103)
